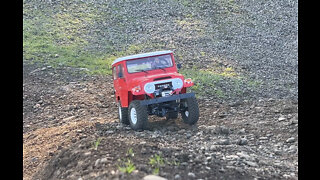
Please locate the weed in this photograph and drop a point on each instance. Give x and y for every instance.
(156, 162)
(96, 143)
(130, 152)
(156, 170)
(126, 166)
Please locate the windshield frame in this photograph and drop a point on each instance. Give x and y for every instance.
(151, 59)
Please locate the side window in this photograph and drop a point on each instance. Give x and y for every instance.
(114, 73)
(120, 71)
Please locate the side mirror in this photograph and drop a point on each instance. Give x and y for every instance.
(179, 66)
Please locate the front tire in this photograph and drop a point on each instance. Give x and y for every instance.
(190, 112)
(138, 115)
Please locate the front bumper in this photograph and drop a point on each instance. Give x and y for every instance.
(166, 99)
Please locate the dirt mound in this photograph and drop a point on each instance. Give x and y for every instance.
(82, 160)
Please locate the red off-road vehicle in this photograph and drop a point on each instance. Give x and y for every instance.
(149, 84)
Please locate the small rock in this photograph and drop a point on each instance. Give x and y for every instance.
(188, 135)
(109, 132)
(222, 115)
(213, 148)
(69, 118)
(222, 170)
(192, 175)
(104, 160)
(97, 162)
(232, 157)
(244, 155)
(294, 121)
(34, 159)
(242, 131)
(291, 140)
(36, 106)
(282, 118)
(184, 164)
(242, 141)
(277, 152)
(223, 130)
(263, 138)
(224, 142)
(153, 177)
(177, 176)
(252, 164)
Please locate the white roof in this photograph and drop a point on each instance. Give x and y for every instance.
(140, 56)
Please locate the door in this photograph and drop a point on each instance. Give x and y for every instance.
(120, 85)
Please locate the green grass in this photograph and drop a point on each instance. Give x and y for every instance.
(95, 144)
(209, 82)
(61, 39)
(156, 161)
(56, 48)
(126, 166)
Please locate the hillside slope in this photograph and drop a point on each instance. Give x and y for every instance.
(242, 56)
(248, 47)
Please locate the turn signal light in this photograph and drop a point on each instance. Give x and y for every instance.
(136, 89)
(188, 81)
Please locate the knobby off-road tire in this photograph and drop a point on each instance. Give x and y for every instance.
(138, 115)
(123, 114)
(191, 113)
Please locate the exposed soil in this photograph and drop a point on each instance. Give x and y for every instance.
(65, 112)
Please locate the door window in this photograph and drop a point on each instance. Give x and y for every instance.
(114, 73)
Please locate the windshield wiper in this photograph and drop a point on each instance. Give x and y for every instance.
(161, 68)
(141, 70)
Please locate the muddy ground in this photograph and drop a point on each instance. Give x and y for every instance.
(66, 112)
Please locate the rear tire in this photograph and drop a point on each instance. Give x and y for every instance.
(123, 114)
(138, 115)
(190, 114)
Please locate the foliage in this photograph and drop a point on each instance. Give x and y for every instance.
(126, 166)
(96, 143)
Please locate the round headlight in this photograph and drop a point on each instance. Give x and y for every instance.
(177, 83)
(149, 88)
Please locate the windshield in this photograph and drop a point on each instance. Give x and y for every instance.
(150, 63)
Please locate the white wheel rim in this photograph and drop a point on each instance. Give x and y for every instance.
(120, 114)
(133, 115)
(186, 113)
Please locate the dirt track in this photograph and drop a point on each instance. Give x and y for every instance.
(65, 112)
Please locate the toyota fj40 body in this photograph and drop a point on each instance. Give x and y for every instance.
(149, 84)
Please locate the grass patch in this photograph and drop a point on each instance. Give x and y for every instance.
(96, 144)
(221, 85)
(157, 161)
(126, 165)
(59, 37)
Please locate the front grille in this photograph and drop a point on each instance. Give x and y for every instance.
(157, 79)
(166, 85)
